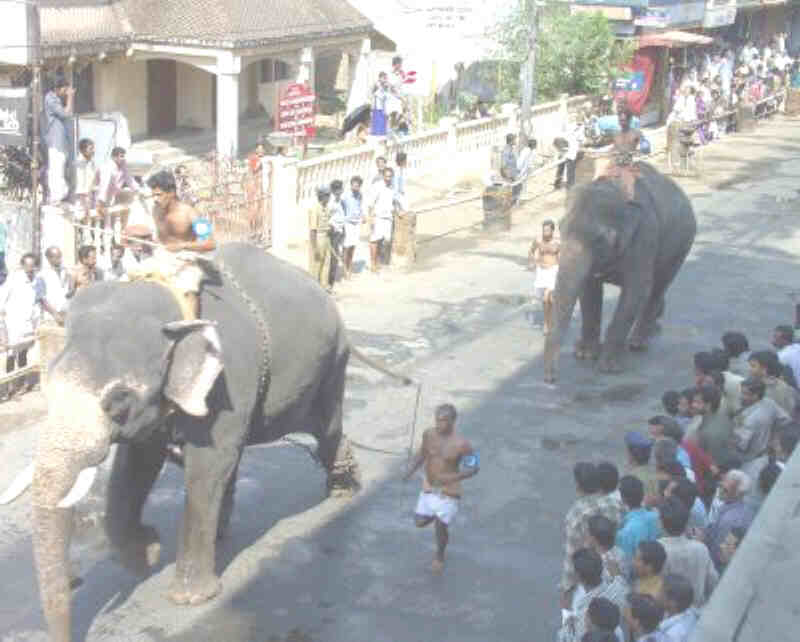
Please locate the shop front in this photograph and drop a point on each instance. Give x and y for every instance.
(719, 15)
(760, 21)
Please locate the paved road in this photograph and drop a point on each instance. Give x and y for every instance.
(299, 567)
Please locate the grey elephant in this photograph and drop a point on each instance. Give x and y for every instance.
(639, 247)
(269, 360)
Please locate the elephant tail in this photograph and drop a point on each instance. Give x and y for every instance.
(379, 366)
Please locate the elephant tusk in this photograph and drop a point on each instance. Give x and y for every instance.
(80, 489)
(18, 486)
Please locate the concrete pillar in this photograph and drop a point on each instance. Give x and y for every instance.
(228, 69)
(284, 203)
(306, 73)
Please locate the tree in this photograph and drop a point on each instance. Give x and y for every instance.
(576, 54)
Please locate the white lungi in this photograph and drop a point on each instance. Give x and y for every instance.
(179, 267)
(435, 504)
(545, 278)
(381, 229)
(352, 233)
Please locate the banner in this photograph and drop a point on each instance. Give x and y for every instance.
(14, 107)
(634, 84)
(296, 111)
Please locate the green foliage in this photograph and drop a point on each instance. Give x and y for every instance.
(576, 54)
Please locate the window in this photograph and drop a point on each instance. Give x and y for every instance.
(273, 70)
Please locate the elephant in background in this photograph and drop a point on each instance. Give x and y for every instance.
(638, 246)
(269, 361)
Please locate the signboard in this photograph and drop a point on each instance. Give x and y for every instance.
(677, 14)
(611, 13)
(719, 17)
(446, 15)
(630, 81)
(20, 31)
(103, 133)
(653, 18)
(296, 111)
(14, 108)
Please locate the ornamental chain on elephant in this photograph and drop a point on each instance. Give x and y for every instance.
(637, 246)
(268, 360)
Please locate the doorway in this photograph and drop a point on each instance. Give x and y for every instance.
(162, 96)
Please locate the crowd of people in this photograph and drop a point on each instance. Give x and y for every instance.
(720, 78)
(336, 220)
(645, 550)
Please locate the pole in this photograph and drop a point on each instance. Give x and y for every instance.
(528, 70)
(34, 30)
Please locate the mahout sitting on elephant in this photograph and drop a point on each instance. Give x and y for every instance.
(132, 372)
(640, 249)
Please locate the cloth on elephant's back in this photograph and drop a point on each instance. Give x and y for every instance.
(175, 271)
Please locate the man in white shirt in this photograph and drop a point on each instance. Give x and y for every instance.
(527, 158)
(788, 351)
(114, 178)
(86, 178)
(21, 303)
(57, 284)
(382, 201)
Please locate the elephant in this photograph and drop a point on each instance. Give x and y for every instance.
(637, 246)
(268, 358)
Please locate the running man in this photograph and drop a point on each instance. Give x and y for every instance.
(449, 459)
(544, 255)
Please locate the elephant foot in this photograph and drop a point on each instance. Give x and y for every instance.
(637, 344)
(550, 375)
(140, 551)
(609, 365)
(344, 476)
(190, 593)
(587, 351)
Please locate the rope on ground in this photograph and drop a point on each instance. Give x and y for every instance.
(395, 453)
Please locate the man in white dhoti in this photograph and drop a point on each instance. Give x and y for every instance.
(21, 304)
(382, 204)
(544, 256)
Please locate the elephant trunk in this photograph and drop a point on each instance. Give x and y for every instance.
(51, 537)
(575, 264)
(75, 438)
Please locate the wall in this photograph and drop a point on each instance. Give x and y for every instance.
(121, 85)
(194, 97)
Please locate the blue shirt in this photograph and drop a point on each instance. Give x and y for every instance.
(54, 123)
(353, 207)
(638, 525)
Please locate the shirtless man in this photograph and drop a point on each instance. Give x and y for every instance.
(544, 255)
(442, 451)
(180, 229)
(626, 143)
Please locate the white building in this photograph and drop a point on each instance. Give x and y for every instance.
(168, 64)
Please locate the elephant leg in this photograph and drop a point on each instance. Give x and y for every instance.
(632, 300)
(647, 324)
(227, 505)
(208, 471)
(334, 449)
(592, 320)
(136, 468)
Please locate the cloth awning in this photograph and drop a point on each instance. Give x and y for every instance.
(673, 39)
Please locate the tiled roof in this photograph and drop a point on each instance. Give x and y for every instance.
(229, 23)
(72, 24)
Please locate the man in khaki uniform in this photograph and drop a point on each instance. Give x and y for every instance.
(319, 246)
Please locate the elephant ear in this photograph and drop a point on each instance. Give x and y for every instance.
(194, 361)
